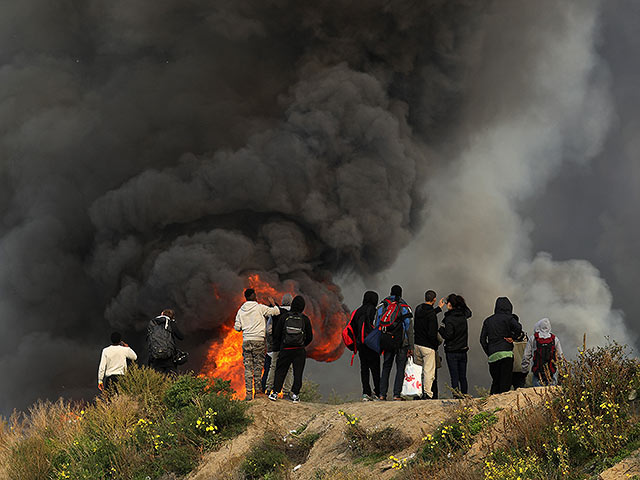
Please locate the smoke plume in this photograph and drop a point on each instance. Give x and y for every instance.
(540, 102)
(155, 155)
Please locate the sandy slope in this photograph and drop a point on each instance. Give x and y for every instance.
(415, 418)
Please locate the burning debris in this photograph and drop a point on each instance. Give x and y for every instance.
(224, 355)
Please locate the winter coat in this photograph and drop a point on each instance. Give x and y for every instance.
(543, 329)
(502, 324)
(251, 320)
(171, 325)
(278, 329)
(426, 326)
(407, 319)
(365, 315)
(455, 330)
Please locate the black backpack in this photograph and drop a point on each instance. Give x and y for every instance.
(293, 330)
(160, 341)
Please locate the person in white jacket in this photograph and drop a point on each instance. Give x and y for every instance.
(542, 353)
(251, 321)
(113, 362)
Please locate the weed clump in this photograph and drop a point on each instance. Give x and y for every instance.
(155, 424)
(273, 456)
(371, 446)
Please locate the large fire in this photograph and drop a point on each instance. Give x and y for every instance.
(224, 357)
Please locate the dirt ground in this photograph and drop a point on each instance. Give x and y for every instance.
(415, 418)
(627, 468)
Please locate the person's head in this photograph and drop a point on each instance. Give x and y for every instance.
(250, 294)
(430, 297)
(503, 305)
(116, 338)
(370, 298)
(456, 302)
(396, 291)
(286, 299)
(167, 312)
(297, 304)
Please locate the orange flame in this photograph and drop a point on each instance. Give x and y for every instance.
(224, 356)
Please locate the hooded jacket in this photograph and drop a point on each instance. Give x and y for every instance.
(502, 324)
(297, 306)
(407, 319)
(543, 329)
(426, 326)
(365, 316)
(251, 320)
(455, 330)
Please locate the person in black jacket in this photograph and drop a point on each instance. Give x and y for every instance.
(455, 332)
(168, 320)
(426, 341)
(363, 319)
(496, 338)
(292, 334)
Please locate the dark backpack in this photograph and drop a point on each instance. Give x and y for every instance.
(293, 330)
(160, 341)
(544, 357)
(391, 326)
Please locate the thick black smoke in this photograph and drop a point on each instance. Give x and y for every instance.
(153, 150)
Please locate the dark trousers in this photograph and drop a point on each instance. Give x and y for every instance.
(110, 383)
(518, 379)
(501, 371)
(265, 372)
(164, 366)
(400, 357)
(434, 387)
(457, 363)
(369, 362)
(287, 357)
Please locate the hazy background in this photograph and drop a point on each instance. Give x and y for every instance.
(149, 152)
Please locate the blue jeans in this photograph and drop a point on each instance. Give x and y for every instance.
(457, 363)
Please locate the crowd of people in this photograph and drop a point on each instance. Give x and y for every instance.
(392, 331)
(275, 337)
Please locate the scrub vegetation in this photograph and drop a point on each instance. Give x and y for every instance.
(155, 425)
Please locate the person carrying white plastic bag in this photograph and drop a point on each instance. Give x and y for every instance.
(412, 385)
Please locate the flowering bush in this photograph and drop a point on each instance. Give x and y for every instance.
(455, 435)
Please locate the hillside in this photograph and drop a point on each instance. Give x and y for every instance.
(331, 452)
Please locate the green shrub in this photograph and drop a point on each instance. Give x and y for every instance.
(184, 390)
(455, 436)
(155, 425)
(147, 386)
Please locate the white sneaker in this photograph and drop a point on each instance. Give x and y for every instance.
(273, 396)
(366, 398)
(294, 398)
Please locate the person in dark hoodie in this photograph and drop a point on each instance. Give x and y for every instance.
(455, 332)
(496, 338)
(363, 320)
(163, 331)
(426, 341)
(292, 334)
(400, 354)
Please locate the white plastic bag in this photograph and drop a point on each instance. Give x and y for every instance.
(412, 384)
